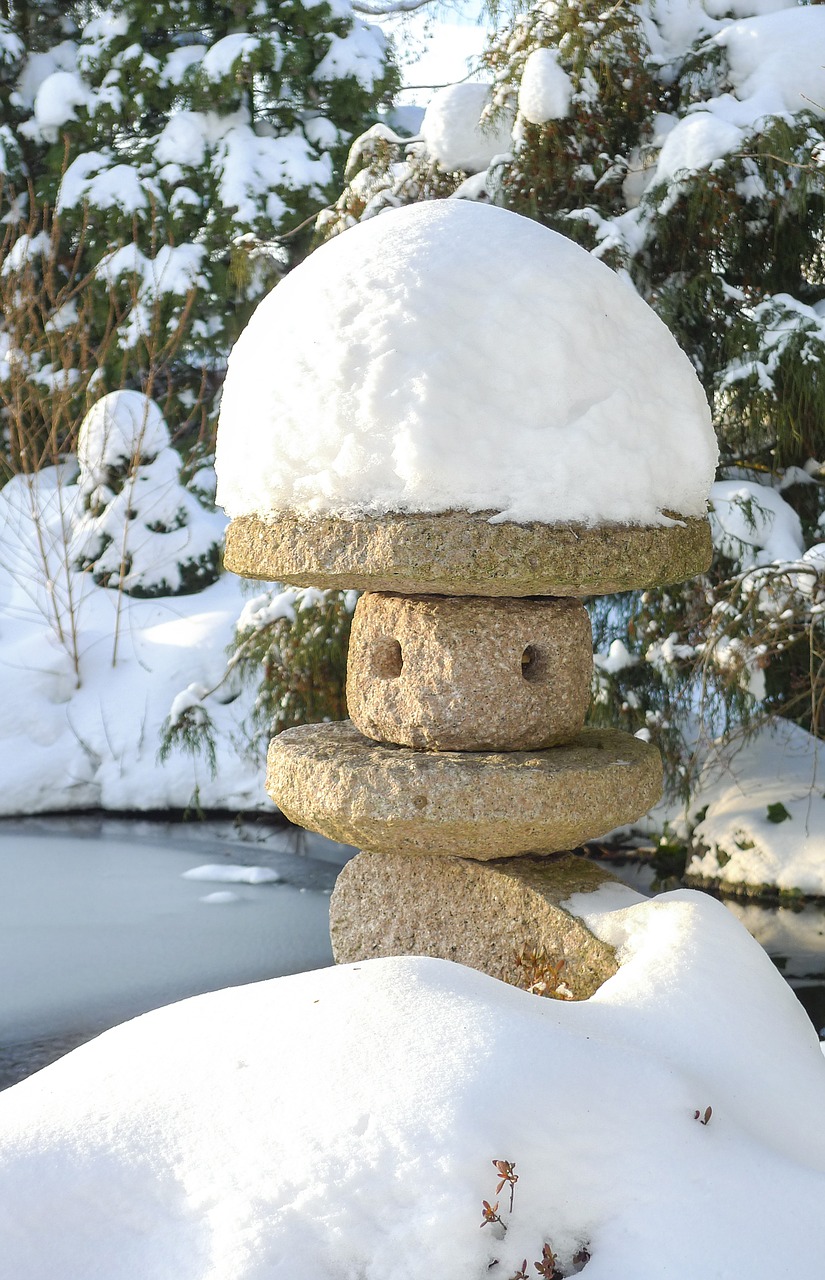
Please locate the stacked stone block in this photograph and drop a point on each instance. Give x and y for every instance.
(465, 773)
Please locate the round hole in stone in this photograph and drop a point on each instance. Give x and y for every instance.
(533, 665)
(387, 660)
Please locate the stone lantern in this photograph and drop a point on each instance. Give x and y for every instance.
(465, 773)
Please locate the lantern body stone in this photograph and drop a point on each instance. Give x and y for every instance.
(468, 674)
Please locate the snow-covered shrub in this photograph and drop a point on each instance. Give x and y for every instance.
(460, 138)
(291, 645)
(385, 170)
(138, 529)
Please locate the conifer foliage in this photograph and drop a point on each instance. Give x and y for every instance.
(166, 136)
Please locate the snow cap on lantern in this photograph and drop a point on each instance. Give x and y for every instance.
(452, 356)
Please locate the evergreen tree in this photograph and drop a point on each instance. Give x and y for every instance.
(168, 138)
(136, 528)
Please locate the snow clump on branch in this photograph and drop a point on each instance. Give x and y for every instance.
(456, 132)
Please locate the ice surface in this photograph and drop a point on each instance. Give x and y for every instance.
(457, 356)
(344, 1123)
(224, 873)
(98, 930)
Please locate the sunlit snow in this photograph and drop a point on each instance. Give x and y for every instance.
(344, 1123)
(457, 134)
(451, 355)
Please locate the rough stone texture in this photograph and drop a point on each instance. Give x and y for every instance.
(464, 673)
(481, 914)
(460, 553)
(482, 805)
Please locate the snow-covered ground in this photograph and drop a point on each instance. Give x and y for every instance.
(88, 672)
(792, 933)
(762, 810)
(345, 1123)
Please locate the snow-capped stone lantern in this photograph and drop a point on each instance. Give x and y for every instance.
(476, 423)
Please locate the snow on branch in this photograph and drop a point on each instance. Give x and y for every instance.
(390, 7)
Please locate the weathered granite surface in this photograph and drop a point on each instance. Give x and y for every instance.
(462, 553)
(484, 915)
(483, 805)
(464, 673)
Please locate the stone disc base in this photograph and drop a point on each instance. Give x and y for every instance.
(465, 553)
(484, 915)
(483, 805)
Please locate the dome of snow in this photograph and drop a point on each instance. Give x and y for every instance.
(453, 131)
(120, 427)
(455, 356)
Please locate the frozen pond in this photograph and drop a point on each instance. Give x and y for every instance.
(99, 920)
